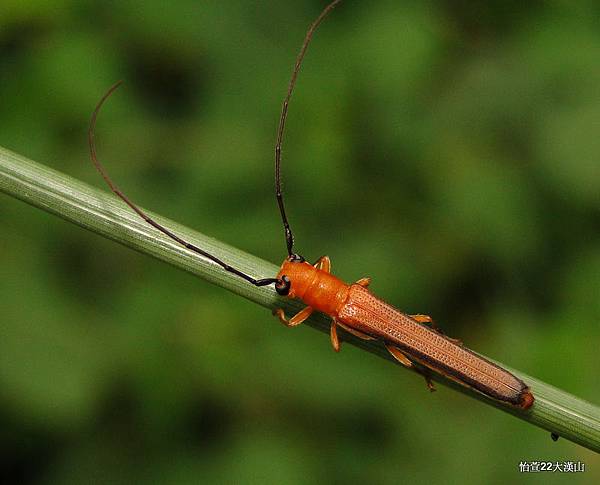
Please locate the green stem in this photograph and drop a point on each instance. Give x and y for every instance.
(554, 410)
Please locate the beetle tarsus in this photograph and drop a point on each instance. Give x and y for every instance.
(297, 319)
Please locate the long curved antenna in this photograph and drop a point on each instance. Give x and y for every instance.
(149, 220)
(289, 238)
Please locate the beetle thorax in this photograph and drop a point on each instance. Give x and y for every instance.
(318, 289)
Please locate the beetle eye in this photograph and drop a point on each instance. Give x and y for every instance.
(296, 258)
(282, 287)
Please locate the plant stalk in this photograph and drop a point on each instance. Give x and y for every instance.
(554, 410)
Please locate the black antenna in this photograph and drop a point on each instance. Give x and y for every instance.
(281, 286)
(289, 238)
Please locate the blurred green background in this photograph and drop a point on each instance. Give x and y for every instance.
(448, 150)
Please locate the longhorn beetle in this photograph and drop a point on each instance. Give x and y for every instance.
(413, 340)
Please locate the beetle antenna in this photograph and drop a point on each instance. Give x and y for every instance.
(148, 219)
(289, 238)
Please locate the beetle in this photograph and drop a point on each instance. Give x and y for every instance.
(413, 340)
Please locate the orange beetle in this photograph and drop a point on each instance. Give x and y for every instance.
(411, 339)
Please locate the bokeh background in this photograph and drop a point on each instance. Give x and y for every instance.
(447, 149)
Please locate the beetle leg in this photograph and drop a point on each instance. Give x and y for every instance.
(324, 264)
(335, 341)
(365, 282)
(426, 319)
(399, 355)
(297, 319)
(406, 362)
(428, 381)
